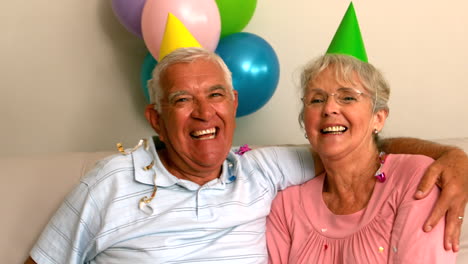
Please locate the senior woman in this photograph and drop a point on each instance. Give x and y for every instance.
(361, 209)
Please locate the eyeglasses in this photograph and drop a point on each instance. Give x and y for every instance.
(343, 96)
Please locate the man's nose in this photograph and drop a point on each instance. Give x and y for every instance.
(202, 109)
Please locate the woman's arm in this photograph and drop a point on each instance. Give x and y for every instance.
(277, 233)
(450, 173)
(409, 243)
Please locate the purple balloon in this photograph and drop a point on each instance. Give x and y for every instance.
(129, 14)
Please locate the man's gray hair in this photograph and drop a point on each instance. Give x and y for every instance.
(183, 55)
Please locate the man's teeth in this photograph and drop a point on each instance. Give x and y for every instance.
(334, 129)
(204, 132)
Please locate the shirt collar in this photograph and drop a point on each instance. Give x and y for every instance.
(142, 158)
(145, 173)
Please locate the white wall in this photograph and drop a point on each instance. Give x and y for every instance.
(70, 71)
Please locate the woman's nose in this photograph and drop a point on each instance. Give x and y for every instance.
(331, 106)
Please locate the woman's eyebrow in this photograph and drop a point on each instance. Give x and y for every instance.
(315, 90)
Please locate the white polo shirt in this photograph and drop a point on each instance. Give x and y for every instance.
(222, 221)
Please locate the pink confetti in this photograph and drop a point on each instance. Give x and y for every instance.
(381, 177)
(243, 149)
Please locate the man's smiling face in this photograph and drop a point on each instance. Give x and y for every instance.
(197, 118)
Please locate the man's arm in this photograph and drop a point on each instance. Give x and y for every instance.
(30, 261)
(449, 172)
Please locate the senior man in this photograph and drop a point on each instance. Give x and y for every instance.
(190, 199)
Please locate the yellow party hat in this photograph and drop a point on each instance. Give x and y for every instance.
(176, 35)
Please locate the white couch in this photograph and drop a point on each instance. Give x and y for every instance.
(33, 187)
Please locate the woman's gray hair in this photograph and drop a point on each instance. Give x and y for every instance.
(182, 55)
(345, 66)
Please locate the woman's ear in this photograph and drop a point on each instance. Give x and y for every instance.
(379, 119)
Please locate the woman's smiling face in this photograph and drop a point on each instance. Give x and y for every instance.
(343, 124)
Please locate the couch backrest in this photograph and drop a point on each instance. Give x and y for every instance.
(32, 188)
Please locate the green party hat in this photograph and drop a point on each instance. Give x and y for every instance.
(348, 39)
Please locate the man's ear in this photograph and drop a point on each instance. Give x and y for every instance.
(153, 118)
(236, 100)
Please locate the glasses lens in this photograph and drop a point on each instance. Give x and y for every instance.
(315, 98)
(347, 96)
(343, 96)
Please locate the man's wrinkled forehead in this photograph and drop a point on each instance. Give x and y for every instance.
(187, 74)
(194, 81)
(197, 68)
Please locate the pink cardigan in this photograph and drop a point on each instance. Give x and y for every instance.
(301, 229)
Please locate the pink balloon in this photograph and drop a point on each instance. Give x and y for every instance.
(200, 17)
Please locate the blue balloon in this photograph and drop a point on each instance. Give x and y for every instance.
(146, 74)
(254, 66)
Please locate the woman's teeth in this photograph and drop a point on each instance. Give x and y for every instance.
(334, 130)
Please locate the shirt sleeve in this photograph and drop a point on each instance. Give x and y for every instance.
(409, 243)
(284, 166)
(278, 236)
(69, 235)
